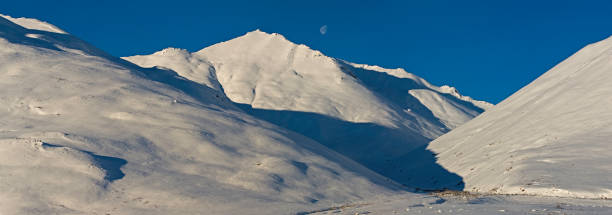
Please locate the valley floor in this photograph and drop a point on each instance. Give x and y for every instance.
(463, 203)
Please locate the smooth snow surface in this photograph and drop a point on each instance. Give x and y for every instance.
(379, 117)
(553, 137)
(82, 132)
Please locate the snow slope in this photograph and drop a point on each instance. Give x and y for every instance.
(379, 117)
(553, 137)
(82, 132)
(34, 24)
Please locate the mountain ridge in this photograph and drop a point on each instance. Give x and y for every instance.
(374, 115)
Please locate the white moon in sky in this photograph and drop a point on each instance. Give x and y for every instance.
(323, 29)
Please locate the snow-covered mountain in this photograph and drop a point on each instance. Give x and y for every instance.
(82, 132)
(379, 117)
(553, 137)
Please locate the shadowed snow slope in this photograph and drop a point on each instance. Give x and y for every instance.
(553, 137)
(82, 132)
(379, 117)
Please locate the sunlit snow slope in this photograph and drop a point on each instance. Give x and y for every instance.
(379, 117)
(82, 132)
(553, 137)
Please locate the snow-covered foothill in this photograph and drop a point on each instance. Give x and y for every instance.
(553, 137)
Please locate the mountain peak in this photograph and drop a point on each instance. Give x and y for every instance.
(359, 106)
(258, 32)
(171, 51)
(257, 37)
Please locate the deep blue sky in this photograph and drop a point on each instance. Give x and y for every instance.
(487, 49)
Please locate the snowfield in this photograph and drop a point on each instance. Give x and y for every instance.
(468, 204)
(260, 125)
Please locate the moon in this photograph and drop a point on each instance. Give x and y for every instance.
(323, 29)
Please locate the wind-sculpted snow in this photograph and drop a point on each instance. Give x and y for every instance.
(368, 113)
(82, 132)
(553, 137)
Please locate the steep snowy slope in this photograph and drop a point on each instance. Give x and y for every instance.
(379, 117)
(553, 137)
(82, 132)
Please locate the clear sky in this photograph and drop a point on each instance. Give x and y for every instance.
(487, 49)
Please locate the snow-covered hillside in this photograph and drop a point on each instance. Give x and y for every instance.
(553, 137)
(82, 132)
(379, 117)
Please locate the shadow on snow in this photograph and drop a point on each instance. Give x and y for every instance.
(398, 154)
(110, 165)
(371, 145)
